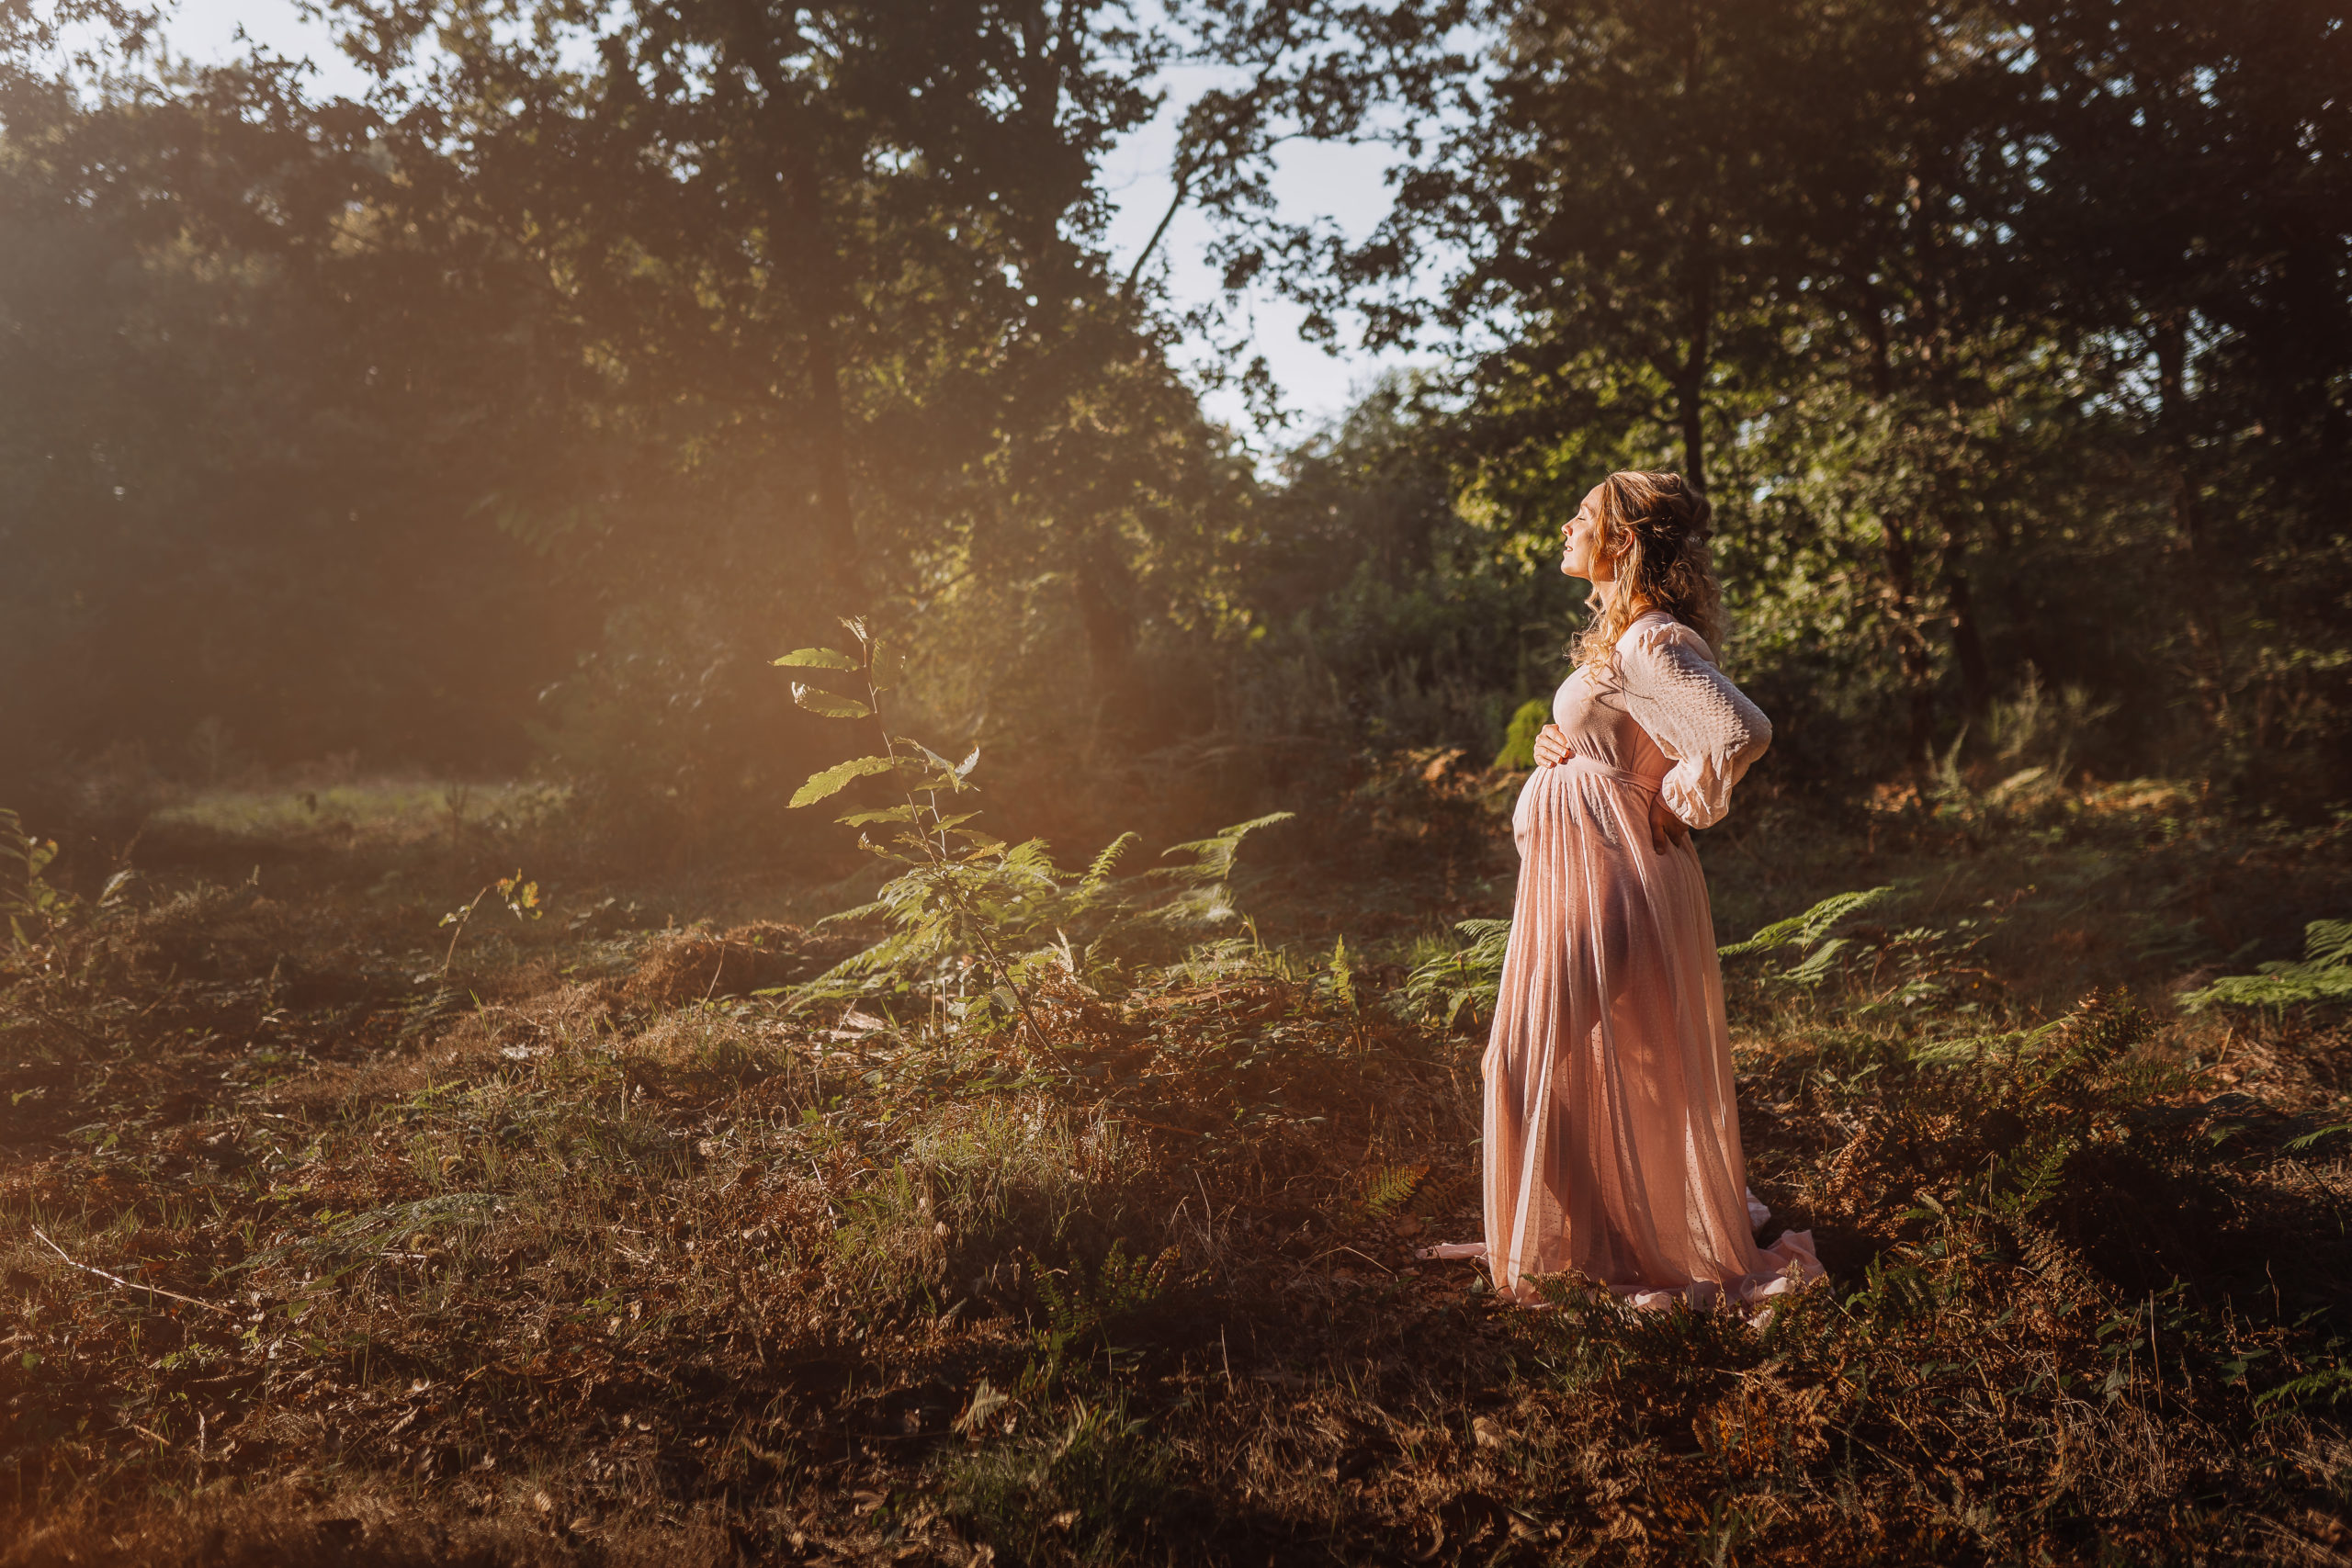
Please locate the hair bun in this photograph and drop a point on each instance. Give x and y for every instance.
(1661, 524)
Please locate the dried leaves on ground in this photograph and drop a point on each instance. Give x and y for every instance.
(583, 1245)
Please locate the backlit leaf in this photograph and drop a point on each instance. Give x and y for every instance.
(835, 779)
(888, 814)
(818, 659)
(829, 705)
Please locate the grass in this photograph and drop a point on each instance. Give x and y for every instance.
(381, 807)
(590, 1250)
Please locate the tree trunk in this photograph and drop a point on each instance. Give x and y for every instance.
(1106, 595)
(1690, 394)
(803, 250)
(2187, 516)
(1900, 589)
(1911, 640)
(836, 511)
(1698, 354)
(1967, 643)
(1698, 297)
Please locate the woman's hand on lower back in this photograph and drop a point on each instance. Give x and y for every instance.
(1551, 747)
(1666, 827)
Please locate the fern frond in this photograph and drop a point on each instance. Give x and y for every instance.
(1469, 977)
(1343, 974)
(1213, 857)
(1807, 930)
(2324, 975)
(1389, 1188)
(1098, 874)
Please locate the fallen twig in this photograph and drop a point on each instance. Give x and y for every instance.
(126, 1284)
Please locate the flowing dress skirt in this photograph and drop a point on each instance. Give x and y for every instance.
(1611, 1139)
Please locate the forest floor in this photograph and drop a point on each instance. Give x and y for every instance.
(328, 1229)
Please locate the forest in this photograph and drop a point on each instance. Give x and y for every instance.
(695, 872)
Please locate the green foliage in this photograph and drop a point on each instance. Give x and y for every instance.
(1894, 499)
(1342, 975)
(1467, 978)
(964, 897)
(1806, 931)
(27, 900)
(816, 659)
(34, 906)
(1882, 965)
(2325, 1386)
(1384, 604)
(522, 900)
(2323, 975)
(1518, 741)
(1387, 1189)
(1083, 1309)
(2043, 1242)
(824, 786)
(1809, 934)
(1198, 895)
(1086, 1494)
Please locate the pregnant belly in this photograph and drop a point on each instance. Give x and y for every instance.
(1581, 796)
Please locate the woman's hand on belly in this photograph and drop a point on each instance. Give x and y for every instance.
(1551, 747)
(1666, 827)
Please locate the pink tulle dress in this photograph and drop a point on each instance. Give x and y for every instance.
(1611, 1133)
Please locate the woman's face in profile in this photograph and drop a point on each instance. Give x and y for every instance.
(1580, 553)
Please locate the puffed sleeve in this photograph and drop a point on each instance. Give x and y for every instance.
(1698, 718)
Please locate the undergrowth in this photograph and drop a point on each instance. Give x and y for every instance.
(587, 1241)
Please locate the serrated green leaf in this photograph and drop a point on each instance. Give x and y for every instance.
(835, 779)
(818, 659)
(829, 705)
(888, 663)
(888, 814)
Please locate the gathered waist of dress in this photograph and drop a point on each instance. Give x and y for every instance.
(1591, 765)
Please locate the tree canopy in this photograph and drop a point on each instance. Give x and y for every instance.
(529, 404)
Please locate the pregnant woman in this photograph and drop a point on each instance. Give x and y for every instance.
(1611, 1135)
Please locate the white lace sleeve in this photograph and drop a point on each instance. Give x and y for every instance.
(1697, 716)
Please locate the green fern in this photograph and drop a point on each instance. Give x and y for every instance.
(1468, 977)
(1805, 931)
(1204, 893)
(2029, 1178)
(1343, 974)
(1389, 1188)
(2328, 1385)
(1082, 1313)
(2324, 975)
(1098, 875)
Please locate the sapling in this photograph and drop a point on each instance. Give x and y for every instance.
(964, 897)
(956, 875)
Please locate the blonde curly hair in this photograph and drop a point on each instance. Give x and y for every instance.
(1657, 528)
